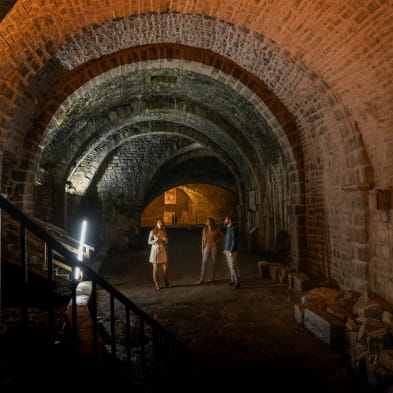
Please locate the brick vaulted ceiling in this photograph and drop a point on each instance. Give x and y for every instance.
(165, 100)
(293, 91)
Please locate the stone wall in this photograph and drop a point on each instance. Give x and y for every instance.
(318, 73)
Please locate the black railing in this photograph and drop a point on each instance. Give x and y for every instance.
(143, 351)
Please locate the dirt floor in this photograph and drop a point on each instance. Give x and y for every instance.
(242, 338)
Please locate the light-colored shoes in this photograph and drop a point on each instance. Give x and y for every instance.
(157, 285)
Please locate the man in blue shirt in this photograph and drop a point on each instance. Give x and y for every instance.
(230, 251)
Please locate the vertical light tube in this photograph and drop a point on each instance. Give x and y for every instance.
(81, 245)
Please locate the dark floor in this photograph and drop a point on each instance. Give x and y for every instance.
(243, 339)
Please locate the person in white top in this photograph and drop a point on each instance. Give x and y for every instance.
(158, 255)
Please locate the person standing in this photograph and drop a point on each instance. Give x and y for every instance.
(211, 239)
(158, 255)
(230, 251)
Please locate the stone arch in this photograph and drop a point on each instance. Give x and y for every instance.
(293, 168)
(297, 38)
(258, 42)
(288, 129)
(214, 150)
(271, 55)
(138, 199)
(314, 105)
(138, 129)
(296, 175)
(143, 106)
(226, 181)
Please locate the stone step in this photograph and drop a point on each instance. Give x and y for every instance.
(328, 329)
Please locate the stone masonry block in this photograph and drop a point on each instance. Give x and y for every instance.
(386, 359)
(338, 312)
(299, 312)
(370, 327)
(379, 340)
(299, 281)
(323, 297)
(372, 310)
(356, 350)
(387, 317)
(351, 325)
(282, 274)
(274, 270)
(324, 326)
(263, 269)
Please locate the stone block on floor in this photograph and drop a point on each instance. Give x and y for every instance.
(324, 298)
(299, 281)
(299, 312)
(328, 329)
(386, 360)
(282, 274)
(274, 269)
(263, 269)
(338, 312)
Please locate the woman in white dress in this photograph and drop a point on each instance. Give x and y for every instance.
(158, 256)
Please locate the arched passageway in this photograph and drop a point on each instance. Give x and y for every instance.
(106, 106)
(191, 204)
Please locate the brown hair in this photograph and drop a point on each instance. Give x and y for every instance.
(212, 222)
(156, 229)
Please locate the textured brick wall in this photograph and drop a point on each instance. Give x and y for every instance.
(120, 190)
(325, 64)
(381, 251)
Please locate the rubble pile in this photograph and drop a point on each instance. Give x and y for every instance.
(361, 322)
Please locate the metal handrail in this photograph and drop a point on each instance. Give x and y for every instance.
(159, 334)
(60, 232)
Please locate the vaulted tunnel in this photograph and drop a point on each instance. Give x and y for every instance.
(137, 131)
(265, 99)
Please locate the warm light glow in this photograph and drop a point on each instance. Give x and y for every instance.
(81, 245)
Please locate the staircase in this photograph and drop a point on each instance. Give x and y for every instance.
(38, 250)
(50, 322)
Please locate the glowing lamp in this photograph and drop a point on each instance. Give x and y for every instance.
(80, 249)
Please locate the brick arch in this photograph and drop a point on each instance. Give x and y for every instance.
(217, 202)
(224, 180)
(194, 115)
(112, 141)
(247, 151)
(97, 158)
(175, 165)
(257, 42)
(312, 94)
(255, 91)
(270, 56)
(265, 102)
(301, 39)
(5, 6)
(75, 21)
